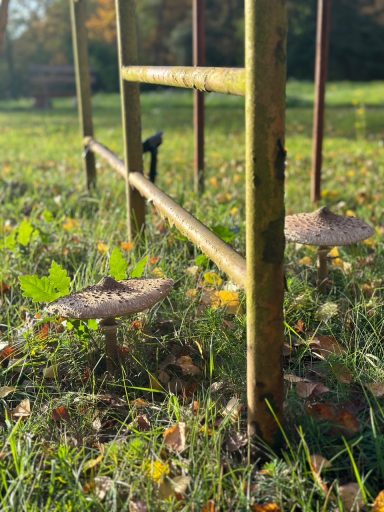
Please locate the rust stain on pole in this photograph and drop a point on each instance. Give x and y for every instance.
(198, 96)
(83, 84)
(321, 66)
(265, 57)
(223, 80)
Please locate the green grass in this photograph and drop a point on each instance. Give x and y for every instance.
(45, 459)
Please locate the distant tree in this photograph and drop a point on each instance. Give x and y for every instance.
(3, 22)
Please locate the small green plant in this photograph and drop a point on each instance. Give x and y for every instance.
(46, 288)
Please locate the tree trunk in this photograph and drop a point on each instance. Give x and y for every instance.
(3, 23)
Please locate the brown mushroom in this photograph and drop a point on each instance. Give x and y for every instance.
(325, 229)
(110, 299)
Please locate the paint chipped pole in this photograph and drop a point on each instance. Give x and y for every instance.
(130, 112)
(198, 97)
(83, 83)
(265, 59)
(321, 66)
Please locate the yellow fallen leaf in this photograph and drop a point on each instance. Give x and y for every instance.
(70, 224)
(102, 247)
(127, 246)
(23, 410)
(378, 504)
(307, 260)
(92, 463)
(229, 300)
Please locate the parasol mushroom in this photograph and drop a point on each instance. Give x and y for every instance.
(325, 229)
(110, 299)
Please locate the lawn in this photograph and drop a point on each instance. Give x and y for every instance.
(170, 433)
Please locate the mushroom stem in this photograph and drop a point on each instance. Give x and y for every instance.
(322, 268)
(109, 329)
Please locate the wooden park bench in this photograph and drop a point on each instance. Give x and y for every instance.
(49, 82)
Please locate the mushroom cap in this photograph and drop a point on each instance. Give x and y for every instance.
(324, 228)
(110, 298)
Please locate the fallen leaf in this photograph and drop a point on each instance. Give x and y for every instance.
(153, 260)
(103, 484)
(325, 346)
(293, 378)
(154, 383)
(299, 326)
(195, 407)
(23, 410)
(180, 485)
(187, 366)
(209, 507)
(229, 300)
(102, 247)
(163, 377)
(127, 246)
(43, 333)
(60, 414)
(92, 463)
(51, 372)
(140, 403)
(343, 419)
(267, 507)
(6, 390)
(137, 506)
(6, 353)
(307, 389)
(192, 271)
(233, 409)
(306, 260)
(342, 374)
(143, 423)
(378, 504)
(192, 293)
(350, 495)
(4, 288)
(376, 388)
(174, 437)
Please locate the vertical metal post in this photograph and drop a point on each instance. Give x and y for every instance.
(198, 97)
(83, 84)
(265, 60)
(130, 111)
(321, 66)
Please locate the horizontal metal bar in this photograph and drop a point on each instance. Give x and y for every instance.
(223, 80)
(225, 257)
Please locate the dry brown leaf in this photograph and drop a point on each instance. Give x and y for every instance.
(325, 346)
(378, 504)
(342, 373)
(195, 407)
(299, 326)
(143, 423)
(289, 377)
(6, 390)
(187, 366)
(6, 354)
(180, 485)
(209, 507)
(23, 410)
(163, 377)
(60, 414)
(233, 409)
(51, 372)
(307, 389)
(376, 388)
(350, 495)
(343, 419)
(175, 438)
(4, 287)
(140, 403)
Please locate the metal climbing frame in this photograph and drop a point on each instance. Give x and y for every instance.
(262, 81)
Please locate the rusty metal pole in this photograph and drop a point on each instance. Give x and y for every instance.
(83, 84)
(198, 97)
(130, 111)
(265, 59)
(321, 66)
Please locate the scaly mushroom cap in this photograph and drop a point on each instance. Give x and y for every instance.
(324, 228)
(110, 298)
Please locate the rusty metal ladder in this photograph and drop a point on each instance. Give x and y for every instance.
(262, 82)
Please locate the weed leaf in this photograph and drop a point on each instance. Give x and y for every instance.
(118, 265)
(38, 289)
(139, 268)
(59, 278)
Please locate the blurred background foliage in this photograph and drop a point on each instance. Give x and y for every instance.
(38, 32)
